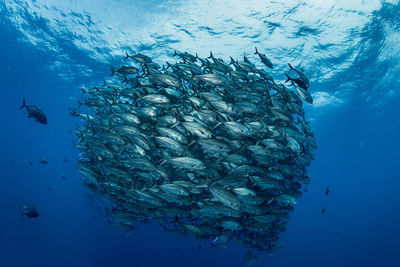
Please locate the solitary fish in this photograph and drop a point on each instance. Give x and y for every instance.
(29, 211)
(327, 190)
(34, 112)
(43, 161)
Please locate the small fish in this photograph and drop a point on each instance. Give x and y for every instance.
(300, 83)
(29, 162)
(327, 190)
(323, 210)
(187, 163)
(250, 258)
(74, 112)
(123, 226)
(43, 161)
(185, 56)
(124, 70)
(139, 58)
(212, 78)
(267, 62)
(301, 74)
(34, 112)
(303, 93)
(29, 211)
(63, 177)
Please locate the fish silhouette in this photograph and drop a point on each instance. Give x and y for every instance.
(34, 112)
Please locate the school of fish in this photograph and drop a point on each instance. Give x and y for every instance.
(203, 147)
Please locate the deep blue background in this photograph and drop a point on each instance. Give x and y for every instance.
(358, 157)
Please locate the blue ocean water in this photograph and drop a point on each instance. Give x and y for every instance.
(349, 49)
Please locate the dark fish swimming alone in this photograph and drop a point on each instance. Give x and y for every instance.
(34, 112)
(29, 211)
(43, 161)
(327, 190)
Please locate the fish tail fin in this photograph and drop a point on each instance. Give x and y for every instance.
(197, 56)
(91, 124)
(232, 61)
(163, 162)
(290, 66)
(23, 103)
(110, 125)
(256, 50)
(217, 125)
(125, 79)
(83, 91)
(206, 64)
(176, 220)
(193, 74)
(211, 55)
(146, 69)
(175, 53)
(174, 125)
(81, 137)
(192, 142)
(127, 55)
(288, 78)
(20, 208)
(112, 70)
(168, 65)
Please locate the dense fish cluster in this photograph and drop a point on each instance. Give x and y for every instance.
(204, 147)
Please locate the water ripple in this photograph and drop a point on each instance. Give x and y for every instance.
(348, 48)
